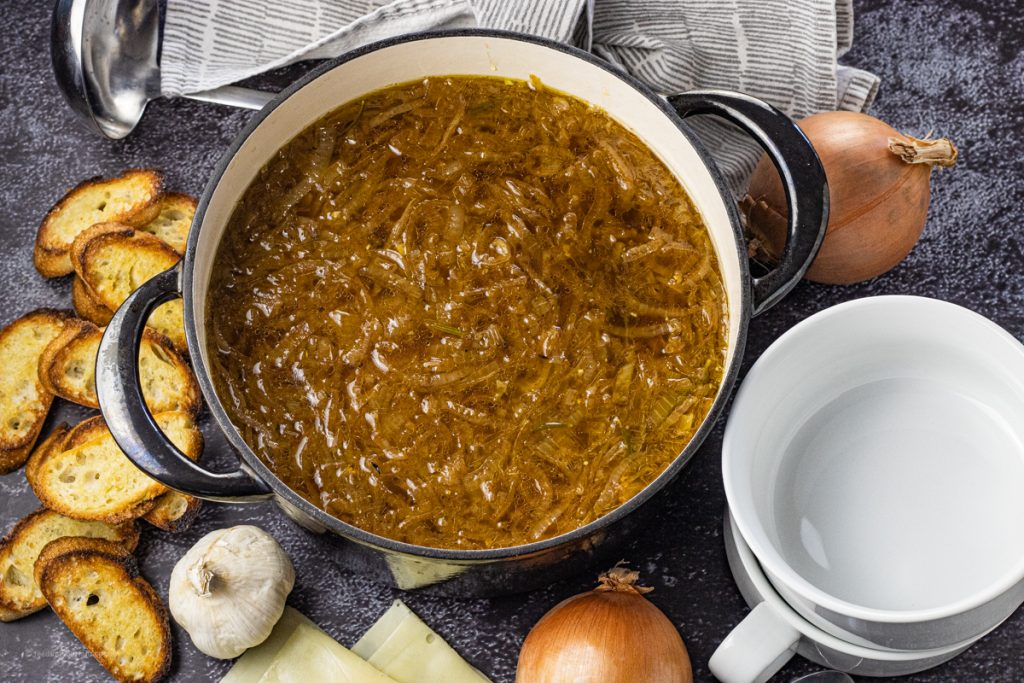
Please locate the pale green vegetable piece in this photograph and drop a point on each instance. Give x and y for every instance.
(409, 651)
(312, 655)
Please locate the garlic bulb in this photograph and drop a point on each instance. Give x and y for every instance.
(229, 590)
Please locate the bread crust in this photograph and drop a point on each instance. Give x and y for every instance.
(13, 458)
(175, 511)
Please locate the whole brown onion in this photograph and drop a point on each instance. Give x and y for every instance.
(879, 190)
(611, 634)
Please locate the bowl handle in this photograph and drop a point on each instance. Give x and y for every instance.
(128, 418)
(802, 177)
(756, 649)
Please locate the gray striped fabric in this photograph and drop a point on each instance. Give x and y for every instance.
(783, 51)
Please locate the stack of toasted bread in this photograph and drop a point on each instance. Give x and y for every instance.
(113, 235)
(75, 553)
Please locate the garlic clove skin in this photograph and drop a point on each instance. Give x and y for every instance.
(229, 590)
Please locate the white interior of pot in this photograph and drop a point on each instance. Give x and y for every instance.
(468, 55)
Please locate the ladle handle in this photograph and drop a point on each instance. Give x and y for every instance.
(129, 420)
(234, 96)
(803, 179)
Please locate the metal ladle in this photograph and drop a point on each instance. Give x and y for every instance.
(105, 57)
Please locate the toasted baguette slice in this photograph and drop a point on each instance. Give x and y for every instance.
(128, 198)
(24, 401)
(87, 430)
(94, 587)
(60, 364)
(71, 328)
(94, 480)
(114, 261)
(53, 442)
(9, 614)
(91, 233)
(87, 306)
(19, 594)
(67, 368)
(174, 220)
(174, 512)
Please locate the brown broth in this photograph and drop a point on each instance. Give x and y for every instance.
(467, 313)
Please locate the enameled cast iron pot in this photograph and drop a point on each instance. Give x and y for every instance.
(655, 119)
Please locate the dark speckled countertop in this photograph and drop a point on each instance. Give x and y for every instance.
(955, 67)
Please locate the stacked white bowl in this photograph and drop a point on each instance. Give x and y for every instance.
(874, 464)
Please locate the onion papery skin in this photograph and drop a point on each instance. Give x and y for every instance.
(878, 201)
(604, 637)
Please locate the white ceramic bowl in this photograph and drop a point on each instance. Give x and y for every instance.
(773, 632)
(874, 461)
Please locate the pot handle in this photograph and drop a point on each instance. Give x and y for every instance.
(128, 418)
(802, 177)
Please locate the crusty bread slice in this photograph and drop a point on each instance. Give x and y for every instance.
(172, 511)
(9, 614)
(55, 440)
(174, 220)
(61, 367)
(85, 431)
(91, 233)
(24, 401)
(114, 261)
(94, 480)
(19, 594)
(94, 587)
(131, 198)
(168, 382)
(175, 511)
(67, 369)
(87, 306)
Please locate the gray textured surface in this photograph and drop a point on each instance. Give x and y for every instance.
(953, 66)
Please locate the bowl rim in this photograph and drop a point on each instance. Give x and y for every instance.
(252, 463)
(754, 532)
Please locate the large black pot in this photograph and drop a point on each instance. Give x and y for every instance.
(657, 120)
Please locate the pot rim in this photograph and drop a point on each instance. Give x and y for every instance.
(262, 471)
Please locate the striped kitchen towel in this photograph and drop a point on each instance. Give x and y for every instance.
(783, 51)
